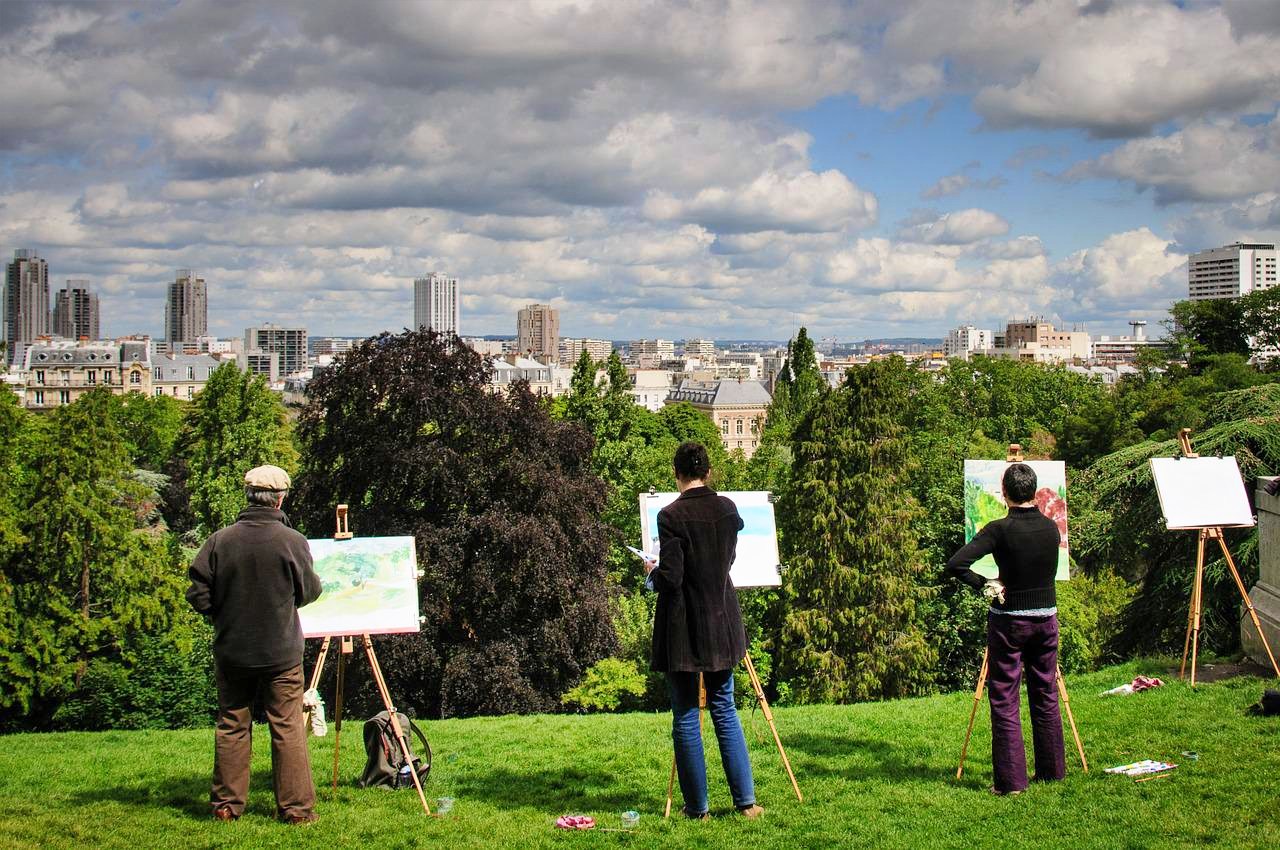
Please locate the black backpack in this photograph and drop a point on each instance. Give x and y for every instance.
(386, 762)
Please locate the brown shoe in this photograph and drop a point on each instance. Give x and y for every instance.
(751, 812)
(301, 820)
(998, 793)
(691, 816)
(224, 813)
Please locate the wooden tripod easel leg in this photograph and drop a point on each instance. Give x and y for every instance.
(1248, 603)
(768, 716)
(395, 721)
(1193, 621)
(977, 698)
(1066, 702)
(345, 649)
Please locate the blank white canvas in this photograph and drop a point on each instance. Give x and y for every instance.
(756, 564)
(1201, 492)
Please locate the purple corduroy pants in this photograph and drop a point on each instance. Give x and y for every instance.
(1012, 644)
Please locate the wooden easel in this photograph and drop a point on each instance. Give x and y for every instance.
(346, 647)
(768, 716)
(1015, 456)
(1191, 643)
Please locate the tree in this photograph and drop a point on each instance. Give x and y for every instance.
(150, 426)
(89, 578)
(851, 631)
(1260, 318)
(503, 505)
(1116, 525)
(234, 424)
(797, 387)
(1202, 328)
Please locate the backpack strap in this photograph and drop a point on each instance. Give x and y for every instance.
(426, 748)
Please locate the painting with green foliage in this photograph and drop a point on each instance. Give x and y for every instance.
(369, 586)
(983, 502)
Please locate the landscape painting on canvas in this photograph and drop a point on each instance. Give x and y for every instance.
(370, 586)
(983, 503)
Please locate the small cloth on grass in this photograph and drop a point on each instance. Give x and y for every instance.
(575, 822)
(1140, 683)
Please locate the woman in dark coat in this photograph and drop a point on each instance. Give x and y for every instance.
(697, 629)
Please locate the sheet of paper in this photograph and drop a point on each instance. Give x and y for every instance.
(370, 587)
(1201, 492)
(757, 562)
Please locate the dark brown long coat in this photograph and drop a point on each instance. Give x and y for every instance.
(698, 625)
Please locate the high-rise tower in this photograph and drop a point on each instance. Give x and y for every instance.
(435, 303)
(186, 310)
(26, 302)
(75, 312)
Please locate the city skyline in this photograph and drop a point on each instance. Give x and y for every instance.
(671, 171)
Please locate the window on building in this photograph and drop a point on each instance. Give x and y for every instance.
(106, 377)
(191, 373)
(191, 391)
(66, 379)
(739, 428)
(39, 376)
(159, 391)
(39, 398)
(156, 373)
(739, 444)
(755, 427)
(91, 377)
(64, 396)
(724, 426)
(135, 377)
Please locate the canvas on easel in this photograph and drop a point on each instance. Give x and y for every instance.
(1205, 494)
(370, 586)
(757, 561)
(983, 503)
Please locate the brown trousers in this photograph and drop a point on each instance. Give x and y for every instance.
(232, 745)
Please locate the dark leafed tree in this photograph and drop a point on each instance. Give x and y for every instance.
(851, 631)
(504, 508)
(91, 574)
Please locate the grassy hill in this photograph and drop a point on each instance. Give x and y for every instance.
(876, 775)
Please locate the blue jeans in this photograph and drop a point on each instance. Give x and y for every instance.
(686, 734)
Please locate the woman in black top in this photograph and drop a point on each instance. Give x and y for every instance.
(697, 629)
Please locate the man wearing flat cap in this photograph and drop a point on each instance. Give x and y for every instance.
(250, 579)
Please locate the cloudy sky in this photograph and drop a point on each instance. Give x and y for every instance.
(730, 169)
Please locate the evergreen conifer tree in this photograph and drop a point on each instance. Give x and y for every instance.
(851, 631)
(89, 577)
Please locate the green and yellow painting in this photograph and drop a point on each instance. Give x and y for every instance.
(369, 586)
(983, 503)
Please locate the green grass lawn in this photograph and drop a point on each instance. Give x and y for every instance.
(877, 775)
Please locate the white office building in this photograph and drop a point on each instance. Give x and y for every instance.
(435, 303)
(1231, 271)
(967, 340)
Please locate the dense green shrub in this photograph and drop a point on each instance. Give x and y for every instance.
(169, 684)
(605, 686)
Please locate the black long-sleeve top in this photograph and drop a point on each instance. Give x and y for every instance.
(697, 625)
(1025, 547)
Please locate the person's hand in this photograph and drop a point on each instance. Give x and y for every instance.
(993, 589)
(650, 564)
